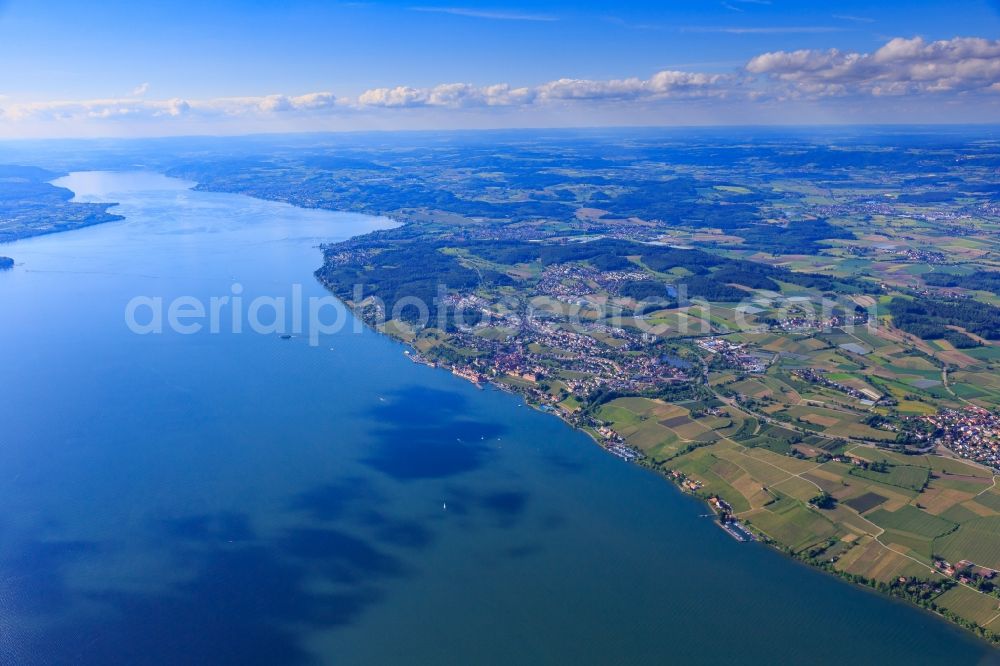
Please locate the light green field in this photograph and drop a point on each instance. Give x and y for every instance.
(979, 608)
(790, 522)
(977, 540)
(912, 520)
(902, 476)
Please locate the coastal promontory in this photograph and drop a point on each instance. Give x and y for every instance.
(30, 205)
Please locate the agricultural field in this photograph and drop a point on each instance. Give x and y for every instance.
(912, 520)
(891, 516)
(976, 539)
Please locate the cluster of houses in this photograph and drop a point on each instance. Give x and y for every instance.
(890, 208)
(571, 281)
(352, 256)
(964, 571)
(809, 322)
(736, 355)
(686, 482)
(595, 355)
(584, 364)
(951, 294)
(466, 302)
(720, 505)
(567, 282)
(915, 255)
(990, 208)
(517, 364)
(815, 376)
(615, 443)
(972, 433)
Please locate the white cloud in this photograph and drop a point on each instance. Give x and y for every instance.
(400, 96)
(667, 82)
(661, 85)
(901, 66)
(140, 90)
(763, 30)
(586, 89)
(923, 72)
(136, 107)
(454, 95)
(486, 14)
(314, 101)
(853, 19)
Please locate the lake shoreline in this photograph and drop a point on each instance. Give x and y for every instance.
(506, 388)
(676, 479)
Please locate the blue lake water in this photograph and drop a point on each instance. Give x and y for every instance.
(240, 498)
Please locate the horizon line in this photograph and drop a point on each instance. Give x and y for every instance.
(536, 128)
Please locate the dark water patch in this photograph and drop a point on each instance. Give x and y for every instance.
(356, 503)
(410, 403)
(505, 506)
(563, 464)
(333, 501)
(400, 532)
(409, 454)
(498, 508)
(239, 608)
(423, 434)
(340, 556)
(235, 611)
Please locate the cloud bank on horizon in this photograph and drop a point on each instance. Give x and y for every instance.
(903, 80)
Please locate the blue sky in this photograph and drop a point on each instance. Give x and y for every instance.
(118, 68)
